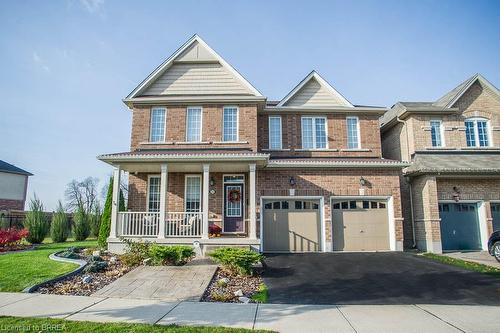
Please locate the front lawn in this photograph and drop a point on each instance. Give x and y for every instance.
(12, 324)
(24, 269)
(471, 266)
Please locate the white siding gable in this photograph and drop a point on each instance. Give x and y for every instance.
(313, 94)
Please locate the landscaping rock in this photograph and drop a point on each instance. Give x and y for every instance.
(244, 299)
(112, 260)
(96, 253)
(87, 279)
(147, 262)
(238, 293)
(222, 282)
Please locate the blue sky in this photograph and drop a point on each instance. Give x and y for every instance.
(66, 65)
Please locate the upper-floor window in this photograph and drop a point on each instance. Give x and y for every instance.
(154, 194)
(275, 132)
(437, 133)
(193, 193)
(353, 133)
(193, 124)
(476, 132)
(157, 132)
(314, 133)
(230, 123)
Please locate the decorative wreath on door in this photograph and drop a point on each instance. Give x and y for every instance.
(234, 195)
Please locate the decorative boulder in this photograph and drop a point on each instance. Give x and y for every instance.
(244, 299)
(87, 279)
(238, 293)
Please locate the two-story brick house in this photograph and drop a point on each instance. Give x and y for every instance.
(450, 192)
(302, 174)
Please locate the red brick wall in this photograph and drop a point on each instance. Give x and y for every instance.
(7, 204)
(211, 131)
(337, 136)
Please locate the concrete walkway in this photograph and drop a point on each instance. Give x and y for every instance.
(276, 317)
(480, 257)
(165, 283)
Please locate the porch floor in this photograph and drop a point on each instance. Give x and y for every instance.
(166, 283)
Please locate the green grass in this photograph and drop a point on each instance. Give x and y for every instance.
(12, 324)
(24, 269)
(471, 266)
(262, 295)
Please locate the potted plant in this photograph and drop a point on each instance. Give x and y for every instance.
(214, 230)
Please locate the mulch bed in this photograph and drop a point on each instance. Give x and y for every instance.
(74, 285)
(16, 248)
(216, 292)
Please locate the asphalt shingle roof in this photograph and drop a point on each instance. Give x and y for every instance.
(7, 167)
(461, 162)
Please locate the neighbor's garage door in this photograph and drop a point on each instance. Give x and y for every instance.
(495, 214)
(459, 226)
(291, 226)
(360, 225)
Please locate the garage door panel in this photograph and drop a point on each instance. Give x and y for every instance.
(291, 226)
(360, 225)
(495, 214)
(459, 226)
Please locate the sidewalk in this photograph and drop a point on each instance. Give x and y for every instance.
(277, 317)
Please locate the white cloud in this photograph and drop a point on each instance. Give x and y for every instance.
(39, 62)
(92, 6)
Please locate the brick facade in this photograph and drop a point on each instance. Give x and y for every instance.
(337, 136)
(211, 131)
(7, 204)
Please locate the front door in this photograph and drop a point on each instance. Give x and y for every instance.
(233, 208)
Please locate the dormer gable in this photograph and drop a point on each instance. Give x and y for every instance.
(314, 92)
(195, 69)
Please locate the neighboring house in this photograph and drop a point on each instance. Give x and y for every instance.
(453, 181)
(13, 186)
(302, 174)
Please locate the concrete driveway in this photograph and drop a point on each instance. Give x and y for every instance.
(481, 257)
(374, 278)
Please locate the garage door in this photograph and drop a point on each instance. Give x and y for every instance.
(360, 225)
(459, 226)
(495, 214)
(291, 226)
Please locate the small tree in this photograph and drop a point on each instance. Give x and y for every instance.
(81, 227)
(36, 222)
(105, 226)
(59, 229)
(95, 220)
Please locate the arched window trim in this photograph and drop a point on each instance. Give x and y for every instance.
(475, 128)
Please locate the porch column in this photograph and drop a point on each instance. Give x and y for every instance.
(115, 203)
(206, 168)
(251, 208)
(163, 200)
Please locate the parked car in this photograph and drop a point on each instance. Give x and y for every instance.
(494, 245)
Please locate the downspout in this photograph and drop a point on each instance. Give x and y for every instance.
(414, 238)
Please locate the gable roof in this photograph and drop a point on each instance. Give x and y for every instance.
(205, 60)
(450, 98)
(9, 168)
(314, 91)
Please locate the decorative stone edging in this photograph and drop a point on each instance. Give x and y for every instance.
(81, 263)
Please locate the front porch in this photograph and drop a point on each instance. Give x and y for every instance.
(175, 202)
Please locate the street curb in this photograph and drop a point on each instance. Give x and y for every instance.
(81, 263)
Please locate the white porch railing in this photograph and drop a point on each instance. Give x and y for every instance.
(139, 223)
(146, 224)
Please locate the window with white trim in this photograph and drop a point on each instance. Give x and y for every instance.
(314, 133)
(437, 133)
(193, 124)
(157, 132)
(193, 194)
(154, 194)
(275, 132)
(353, 133)
(477, 132)
(230, 123)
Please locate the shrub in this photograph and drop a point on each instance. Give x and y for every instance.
(12, 236)
(236, 260)
(131, 259)
(95, 265)
(59, 228)
(135, 252)
(81, 228)
(36, 222)
(95, 221)
(70, 253)
(171, 255)
(105, 226)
